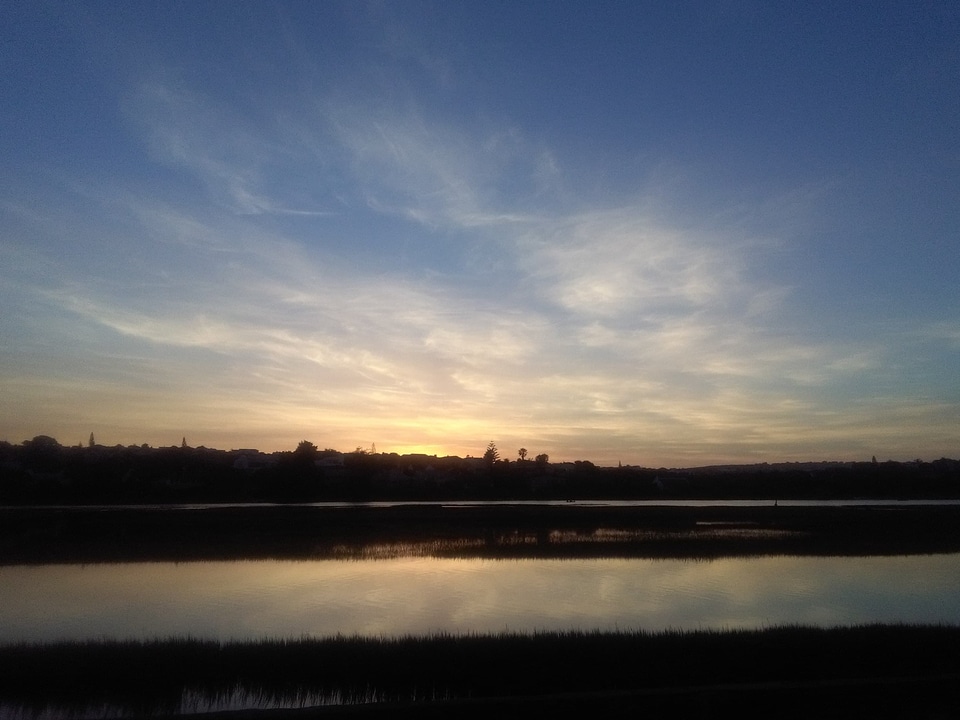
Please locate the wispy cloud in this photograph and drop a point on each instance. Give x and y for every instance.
(434, 174)
(621, 331)
(945, 331)
(371, 267)
(241, 160)
(620, 261)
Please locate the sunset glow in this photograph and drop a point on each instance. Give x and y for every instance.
(618, 232)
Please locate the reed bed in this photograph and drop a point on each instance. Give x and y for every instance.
(168, 677)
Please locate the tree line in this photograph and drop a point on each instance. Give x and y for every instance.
(41, 471)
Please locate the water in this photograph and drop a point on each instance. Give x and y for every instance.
(391, 597)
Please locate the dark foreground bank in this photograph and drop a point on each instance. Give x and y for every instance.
(566, 530)
(874, 671)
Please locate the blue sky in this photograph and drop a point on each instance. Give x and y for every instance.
(655, 233)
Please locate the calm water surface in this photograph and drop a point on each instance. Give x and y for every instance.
(256, 599)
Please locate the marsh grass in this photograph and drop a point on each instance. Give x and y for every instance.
(189, 675)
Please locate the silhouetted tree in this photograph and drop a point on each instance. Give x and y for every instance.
(42, 453)
(42, 442)
(91, 442)
(306, 451)
(491, 454)
(522, 452)
(542, 459)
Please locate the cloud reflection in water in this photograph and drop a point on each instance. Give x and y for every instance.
(255, 599)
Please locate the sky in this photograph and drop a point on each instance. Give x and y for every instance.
(661, 234)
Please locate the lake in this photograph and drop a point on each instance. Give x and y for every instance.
(254, 599)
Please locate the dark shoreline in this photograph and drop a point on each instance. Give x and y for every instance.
(868, 671)
(85, 535)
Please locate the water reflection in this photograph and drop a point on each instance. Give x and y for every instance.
(255, 599)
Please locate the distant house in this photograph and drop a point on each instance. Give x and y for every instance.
(334, 460)
(252, 460)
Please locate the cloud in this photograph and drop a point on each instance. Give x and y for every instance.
(382, 268)
(244, 160)
(608, 263)
(676, 353)
(945, 331)
(435, 174)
